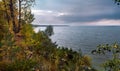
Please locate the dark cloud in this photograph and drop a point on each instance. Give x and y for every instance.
(96, 17)
(81, 10)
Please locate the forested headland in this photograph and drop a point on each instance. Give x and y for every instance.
(22, 49)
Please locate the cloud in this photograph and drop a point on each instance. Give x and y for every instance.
(47, 13)
(47, 17)
(90, 18)
(106, 22)
(75, 11)
(103, 22)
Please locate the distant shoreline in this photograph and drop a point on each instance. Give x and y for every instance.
(51, 25)
(77, 25)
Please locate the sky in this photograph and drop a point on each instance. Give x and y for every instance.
(76, 12)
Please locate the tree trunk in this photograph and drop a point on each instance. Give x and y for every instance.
(15, 29)
(19, 23)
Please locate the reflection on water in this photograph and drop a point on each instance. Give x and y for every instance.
(36, 29)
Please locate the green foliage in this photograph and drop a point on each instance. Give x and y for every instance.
(113, 65)
(1, 32)
(36, 51)
(27, 30)
(22, 65)
(27, 33)
(30, 51)
(3, 24)
(28, 17)
(114, 49)
(117, 2)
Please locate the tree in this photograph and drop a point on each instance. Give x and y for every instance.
(17, 11)
(12, 7)
(25, 15)
(49, 30)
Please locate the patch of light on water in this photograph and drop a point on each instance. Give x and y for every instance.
(37, 29)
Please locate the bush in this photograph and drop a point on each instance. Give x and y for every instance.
(114, 63)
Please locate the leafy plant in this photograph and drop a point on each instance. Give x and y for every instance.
(114, 63)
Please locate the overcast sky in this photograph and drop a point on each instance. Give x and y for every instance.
(76, 12)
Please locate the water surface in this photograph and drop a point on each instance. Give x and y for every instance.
(87, 38)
